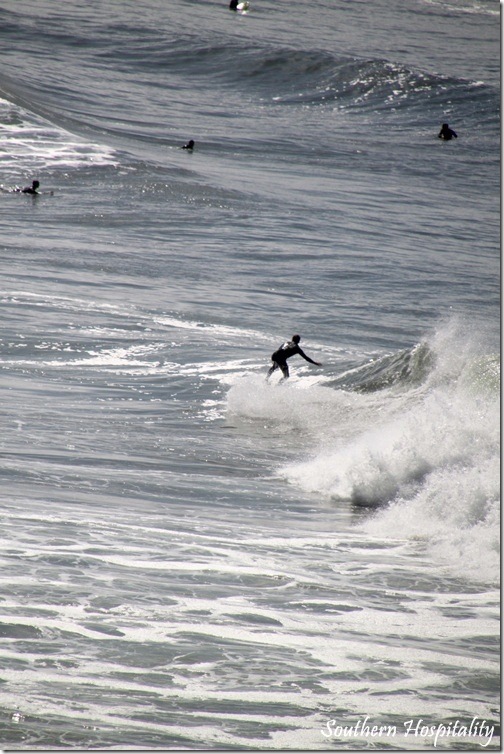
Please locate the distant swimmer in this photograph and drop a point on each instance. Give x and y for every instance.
(29, 189)
(189, 146)
(446, 132)
(233, 5)
(279, 358)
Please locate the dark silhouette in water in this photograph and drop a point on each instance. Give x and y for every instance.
(279, 358)
(29, 189)
(189, 146)
(446, 132)
(233, 5)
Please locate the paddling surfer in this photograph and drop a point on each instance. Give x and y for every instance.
(29, 189)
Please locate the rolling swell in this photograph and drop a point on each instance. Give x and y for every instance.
(302, 77)
(171, 65)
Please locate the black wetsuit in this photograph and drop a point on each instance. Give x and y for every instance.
(279, 358)
(31, 189)
(446, 132)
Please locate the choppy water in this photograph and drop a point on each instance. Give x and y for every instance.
(191, 557)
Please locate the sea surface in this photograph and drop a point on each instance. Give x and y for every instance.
(192, 557)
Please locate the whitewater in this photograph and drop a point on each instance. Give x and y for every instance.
(194, 557)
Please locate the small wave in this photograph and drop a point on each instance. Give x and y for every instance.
(65, 303)
(472, 7)
(287, 76)
(380, 86)
(408, 367)
(31, 143)
(311, 77)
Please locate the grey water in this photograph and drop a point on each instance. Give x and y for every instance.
(192, 557)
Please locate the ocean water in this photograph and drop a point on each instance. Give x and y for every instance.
(192, 557)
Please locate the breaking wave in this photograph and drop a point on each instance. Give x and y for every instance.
(411, 436)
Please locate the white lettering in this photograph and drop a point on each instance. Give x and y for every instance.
(416, 728)
(329, 725)
(408, 725)
(488, 734)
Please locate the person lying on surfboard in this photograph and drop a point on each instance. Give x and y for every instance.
(279, 358)
(29, 189)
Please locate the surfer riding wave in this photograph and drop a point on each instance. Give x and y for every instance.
(288, 349)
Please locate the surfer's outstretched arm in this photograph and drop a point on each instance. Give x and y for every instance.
(307, 358)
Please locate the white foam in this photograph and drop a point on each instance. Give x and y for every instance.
(430, 452)
(456, 512)
(30, 143)
(301, 403)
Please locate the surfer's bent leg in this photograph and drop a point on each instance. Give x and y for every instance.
(279, 365)
(271, 370)
(285, 370)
